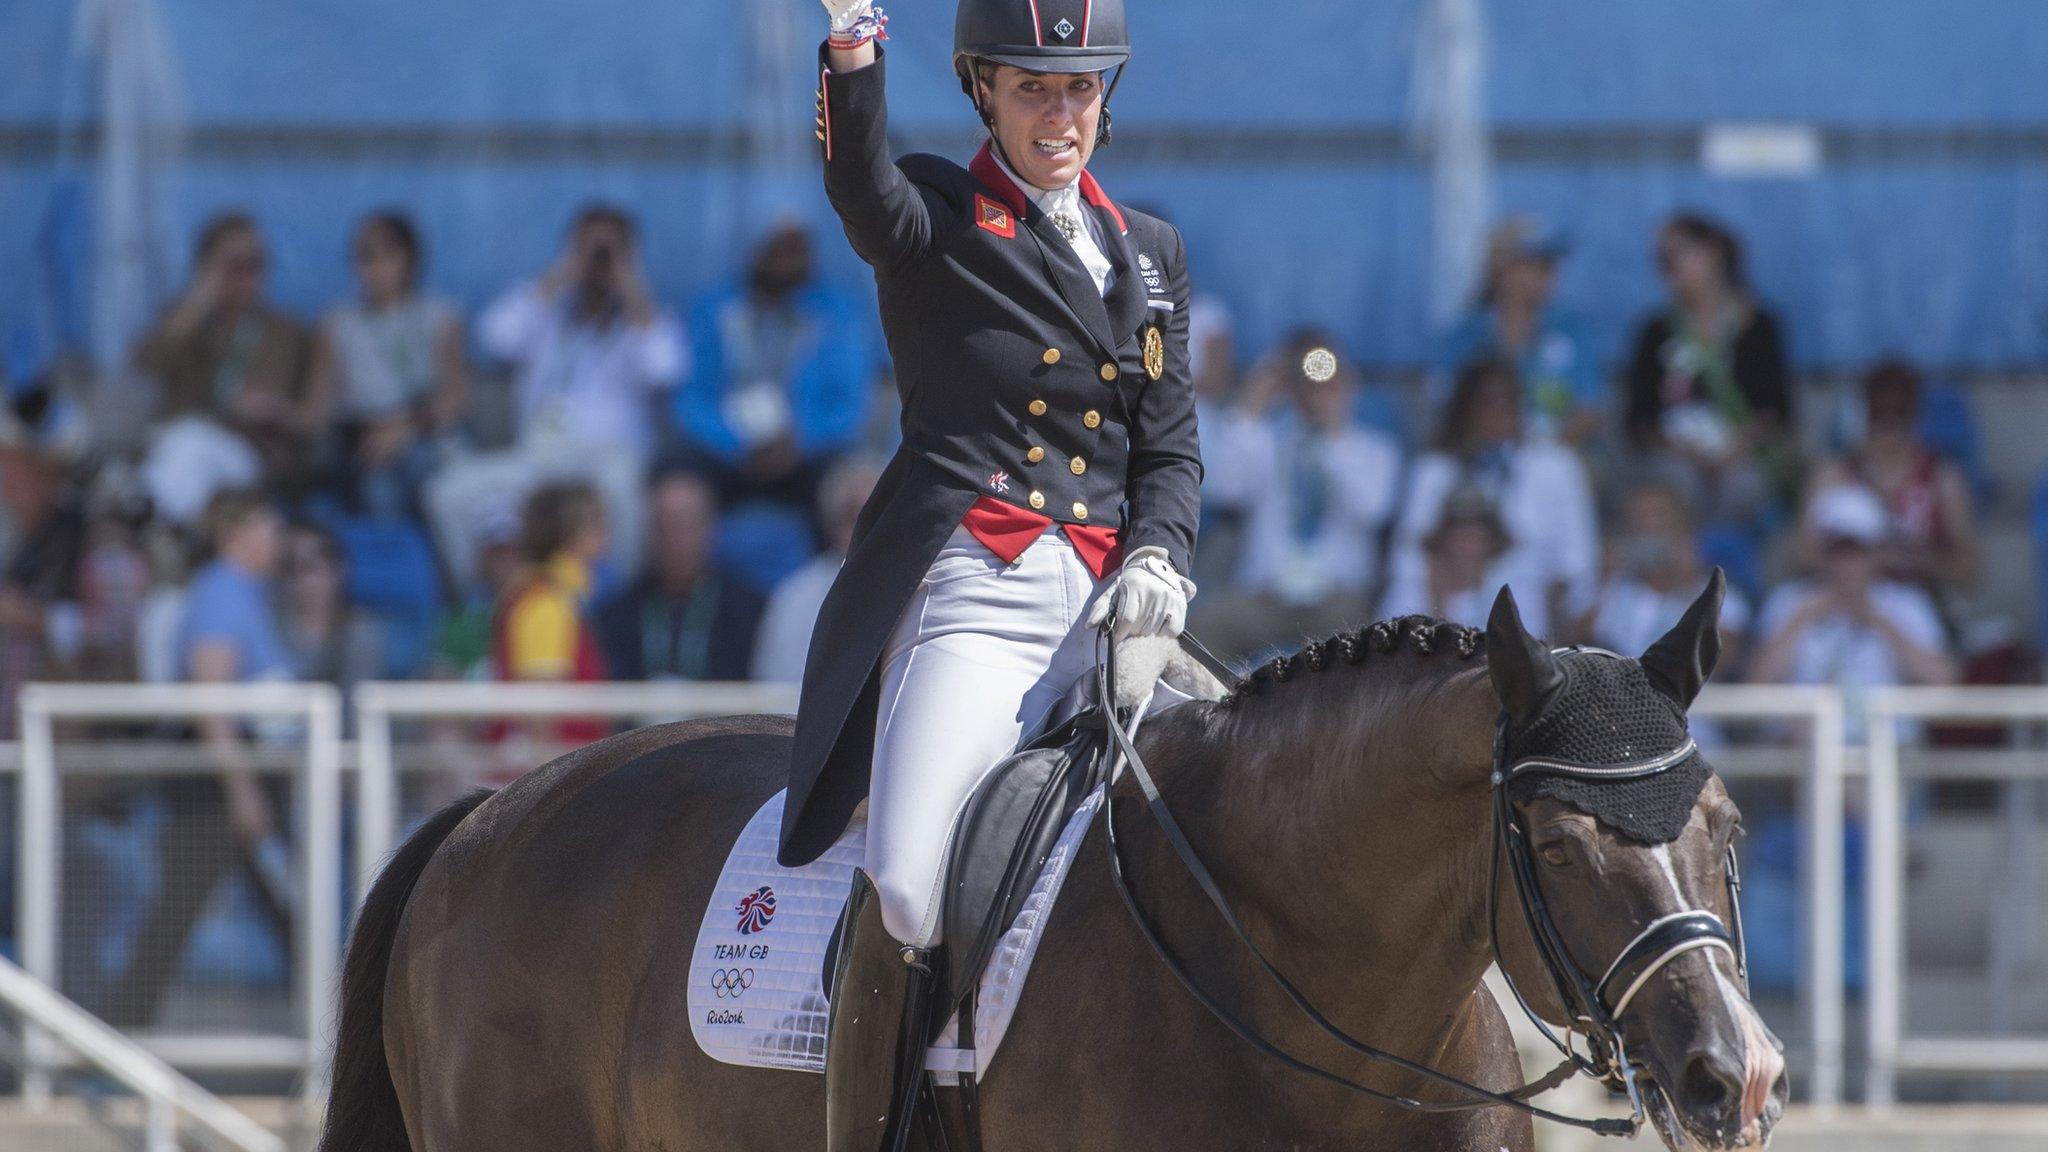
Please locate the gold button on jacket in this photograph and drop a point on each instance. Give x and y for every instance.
(1052, 355)
(1077, 465)
(1037, 407)
(1092, 418)
(1080, 510)
(1109, 372)
(1038, 499)
(1035, 455)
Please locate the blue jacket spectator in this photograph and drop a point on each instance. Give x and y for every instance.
(1516, 321)
(782, 375)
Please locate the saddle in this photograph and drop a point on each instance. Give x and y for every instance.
(767, 945)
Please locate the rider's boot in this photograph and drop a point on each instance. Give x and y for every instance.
(876, 1032)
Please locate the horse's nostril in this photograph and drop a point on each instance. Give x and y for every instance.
(1712, 1083)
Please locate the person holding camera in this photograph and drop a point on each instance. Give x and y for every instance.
(588, 342)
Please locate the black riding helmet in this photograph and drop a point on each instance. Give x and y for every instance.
(1058, 36)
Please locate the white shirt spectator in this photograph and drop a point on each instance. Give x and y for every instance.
(578, 381)
(1276, 469)
(1837, 650)
(1408, 595)
(1545, 502)
(388, 360)
(785, 636)
(1632, 615)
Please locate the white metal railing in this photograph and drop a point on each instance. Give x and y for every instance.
(378, 704)
(320, 920)
(1821, 763)
(167, 1096)
(1885, 882)
(1820, 881)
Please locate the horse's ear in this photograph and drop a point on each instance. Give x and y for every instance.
(1678, 665)
(1524, 671)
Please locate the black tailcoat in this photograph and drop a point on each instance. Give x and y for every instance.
(1019, 382)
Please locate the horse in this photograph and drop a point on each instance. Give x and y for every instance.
(516, 977)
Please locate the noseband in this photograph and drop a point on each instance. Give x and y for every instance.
(1596, 1011)
(1597, 1006)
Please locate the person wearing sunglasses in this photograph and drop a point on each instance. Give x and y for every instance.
(223, 352)
(1709, 392)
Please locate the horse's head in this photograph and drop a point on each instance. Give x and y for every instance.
(1632, 922)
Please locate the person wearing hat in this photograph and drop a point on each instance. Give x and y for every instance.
(1048, 480)
(1515, 319)
(1462, 570)
(1849, 626)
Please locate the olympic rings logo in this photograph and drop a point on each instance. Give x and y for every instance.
(731, 983)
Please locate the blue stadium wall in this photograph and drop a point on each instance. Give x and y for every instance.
(1275, 134)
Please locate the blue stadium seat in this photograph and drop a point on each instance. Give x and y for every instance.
(1737, 551)
(762, 543)
(392, 573)
(1379, 406)
(1949, 426)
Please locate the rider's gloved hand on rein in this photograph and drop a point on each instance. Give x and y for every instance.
(1148, 597)
(855, 22)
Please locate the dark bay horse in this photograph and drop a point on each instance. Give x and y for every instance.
(517, 978)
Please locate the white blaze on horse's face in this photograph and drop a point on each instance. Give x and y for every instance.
(1689, 1021)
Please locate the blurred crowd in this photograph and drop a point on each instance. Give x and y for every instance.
(581, 484)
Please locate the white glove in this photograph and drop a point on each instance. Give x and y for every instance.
(1148, 596)
(846, 13)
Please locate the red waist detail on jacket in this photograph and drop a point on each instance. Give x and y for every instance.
(1008, 530)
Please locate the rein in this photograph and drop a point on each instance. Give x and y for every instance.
(1124, 752)
(1595, 1011)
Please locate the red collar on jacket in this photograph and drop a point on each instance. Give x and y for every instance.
(985, 169)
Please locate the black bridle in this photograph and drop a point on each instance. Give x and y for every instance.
(1597, 1006)
(1596, 1011)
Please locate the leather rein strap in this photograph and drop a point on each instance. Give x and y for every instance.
(1123, 751)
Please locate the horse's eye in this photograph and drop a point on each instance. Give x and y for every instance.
(1555, 855)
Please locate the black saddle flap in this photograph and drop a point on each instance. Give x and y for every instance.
(1007, 829)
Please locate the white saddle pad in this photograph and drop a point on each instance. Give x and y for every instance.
(757, 995)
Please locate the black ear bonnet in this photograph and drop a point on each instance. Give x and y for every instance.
(1607, 712)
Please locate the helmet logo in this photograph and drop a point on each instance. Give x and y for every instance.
(1065, 28)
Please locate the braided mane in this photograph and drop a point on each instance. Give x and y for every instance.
(1424, 635)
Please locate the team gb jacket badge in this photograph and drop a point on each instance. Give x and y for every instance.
(994, 217)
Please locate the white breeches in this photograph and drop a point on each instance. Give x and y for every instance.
(981, 653)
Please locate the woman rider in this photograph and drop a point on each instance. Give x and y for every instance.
(1048, 474)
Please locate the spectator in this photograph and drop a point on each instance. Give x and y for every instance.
(541, 629)
(223, 353)
(462, 640)
(1319, 492)
(391, 363)
(1462, 570)
(589, 343)
(684, 619)
(542, 634)
(48, 528)
(229, 636)
(1213, 368)
(329, 640)
(1849, 626)
(781, 379)
(785, 638)
(1539, 488)
(1932, 540)
(1515, 320)
(1655, 571)
(1708, 398)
